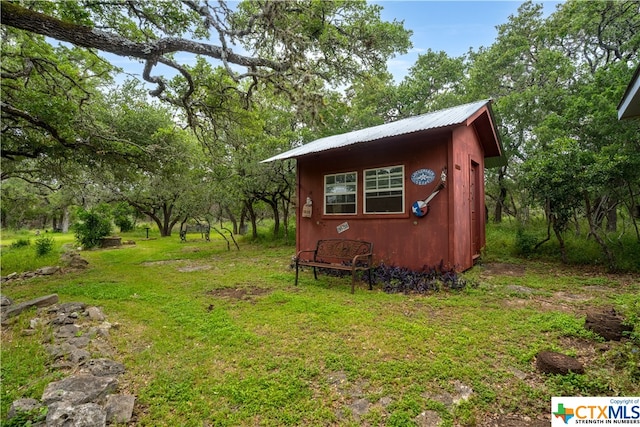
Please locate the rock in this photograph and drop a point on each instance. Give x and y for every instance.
(65, 414)
(22, 405)
(428, 419)
(95, 313)
(551, 362)
(463, 391)
(79, 389)
(607, 324)
(79, 356)
(67, 331)
(360, 407)
(13, 275)
(74, 260)
(105, 367)
(108, 242)
(119, 408)
(15, 309)
(47, 271)
(5, 301)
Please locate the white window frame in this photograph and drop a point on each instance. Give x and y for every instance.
(344, 193)
(397, 176)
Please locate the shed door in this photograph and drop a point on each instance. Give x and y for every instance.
(474, 205)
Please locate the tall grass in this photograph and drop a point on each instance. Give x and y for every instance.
(510, 240)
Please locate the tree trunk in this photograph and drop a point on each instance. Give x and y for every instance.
(252, 218)
(232, 218)
(502, 196)
(593, 230)
(65, 219)
(612, 217)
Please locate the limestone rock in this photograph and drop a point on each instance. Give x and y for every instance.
(428, 419)
(65, 414)
(119, 408)
(105, 367)
(16, 309)
(95, 313)
(5, 301)
(22, 405)
(79, 389)
(47, 271)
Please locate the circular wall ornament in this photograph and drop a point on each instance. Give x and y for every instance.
(423, 176)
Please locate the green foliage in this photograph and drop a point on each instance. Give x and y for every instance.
(44, 245)
(524, 242)
(122, 217)
(92, 225)
(33, 417)
(20, 243)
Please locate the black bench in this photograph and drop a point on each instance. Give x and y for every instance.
(204, 231)
(338, 254)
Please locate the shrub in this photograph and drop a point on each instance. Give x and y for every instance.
(400, 279)
(20, 243)
(44, 245)
(92, 226)
(525, 242)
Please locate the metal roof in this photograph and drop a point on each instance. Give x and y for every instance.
(433, 120)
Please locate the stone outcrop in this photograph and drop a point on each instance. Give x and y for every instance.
(88, 396)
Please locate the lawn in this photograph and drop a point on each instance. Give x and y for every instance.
(216, 337)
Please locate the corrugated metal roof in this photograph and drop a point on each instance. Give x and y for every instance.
(436, 119)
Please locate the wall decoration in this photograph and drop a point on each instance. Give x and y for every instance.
(423, 176)
(342, 227)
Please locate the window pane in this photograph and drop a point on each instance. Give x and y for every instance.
(384, 190)
(340, 193)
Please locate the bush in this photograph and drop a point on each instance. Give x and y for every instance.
(93, 226)
(525, 242)
(20, 243)
(44, 245)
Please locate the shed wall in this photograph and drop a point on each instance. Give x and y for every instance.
(398, 239)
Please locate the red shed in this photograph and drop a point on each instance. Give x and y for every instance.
(414, 187)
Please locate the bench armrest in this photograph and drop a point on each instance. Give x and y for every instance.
(368, 256)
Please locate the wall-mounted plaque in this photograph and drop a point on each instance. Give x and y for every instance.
(423, 176)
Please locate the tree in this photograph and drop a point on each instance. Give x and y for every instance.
(289, 42)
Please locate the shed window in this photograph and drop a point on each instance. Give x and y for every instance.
(340, 193)
(384, 190)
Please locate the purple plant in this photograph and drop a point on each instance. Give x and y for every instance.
(396, 279)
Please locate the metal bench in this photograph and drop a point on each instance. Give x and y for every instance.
(338, 254)
(204, 231)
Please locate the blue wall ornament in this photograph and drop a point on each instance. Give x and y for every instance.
(423, 176)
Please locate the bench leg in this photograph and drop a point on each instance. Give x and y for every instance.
(315, 273)
(370, 282)
(296, 284)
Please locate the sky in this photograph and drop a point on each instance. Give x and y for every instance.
(449, 26)
(452, 26)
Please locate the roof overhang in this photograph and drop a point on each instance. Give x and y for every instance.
(629, 107)
(477, 114)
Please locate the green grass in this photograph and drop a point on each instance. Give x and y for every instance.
(217, 337)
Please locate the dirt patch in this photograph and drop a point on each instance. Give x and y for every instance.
(503, 269)
(191, 268)
(163, 262)
(245, 294)
(512, 421)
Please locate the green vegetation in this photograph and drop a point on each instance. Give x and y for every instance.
(217, 337)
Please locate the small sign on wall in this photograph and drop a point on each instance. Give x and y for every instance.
(342, 227)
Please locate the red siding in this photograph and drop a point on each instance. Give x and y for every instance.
(444, 235)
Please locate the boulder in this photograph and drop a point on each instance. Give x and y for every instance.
(607, 324)
(551, 362)
(65, 414)
(15, 309)
(79, 389)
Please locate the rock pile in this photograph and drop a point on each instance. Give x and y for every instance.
(88, 396)
(70, 260)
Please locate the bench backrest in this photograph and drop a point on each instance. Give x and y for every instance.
(341, 249)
